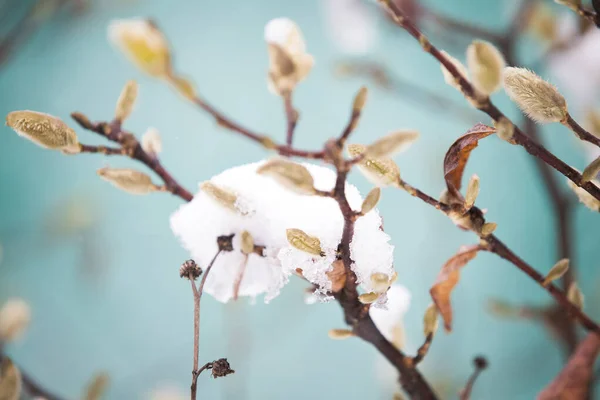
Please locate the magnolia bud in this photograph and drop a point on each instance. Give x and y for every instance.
(129, 180)
(15, 316)
(380, 171)
(537, 98)
(573, 4)
(126, 100)
(430, 320)
(587, 199)
(44, 130)
(368, 298)
(97, 387)
(575, 296)
(472, 192)
(222, 196)
(304, 242)
(360, 99)
(247, 243)
(143, 43)
(10, 380)
(504, 129)
(289, 174)
(370, 201)
(151, 142)
(557, 271)
(448, 77)
(340, 334)
(380, 282)
(591, 171)
(488, 228)
(391, 144)
(485, 64)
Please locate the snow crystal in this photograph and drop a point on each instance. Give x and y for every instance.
(273, 210)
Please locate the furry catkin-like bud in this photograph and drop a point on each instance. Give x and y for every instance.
(129, 180)
(126, 100)
(44, 130)
(485, 65)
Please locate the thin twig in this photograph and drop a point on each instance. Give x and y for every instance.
(30, 386)
(130, 147)
(291, 116)
(486, 105)
(590, 15)
(580, 131)
(197, 297)
(480, 364)
(423, 349)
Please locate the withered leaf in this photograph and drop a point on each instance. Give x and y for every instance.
(458, 154)
(448, 278)
(573, 381)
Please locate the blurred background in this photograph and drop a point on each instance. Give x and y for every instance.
(99, 267)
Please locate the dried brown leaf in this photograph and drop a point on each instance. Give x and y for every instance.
(573, 381)
(458, 154)
(447, 280)
(337, 276)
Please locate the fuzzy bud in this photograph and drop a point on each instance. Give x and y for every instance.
(10, 380)
(488, 228)
(44, 130)
(380, 171)
(247, 243)
(591, 171)
(448, 77)
(587, 199)
(485, 65)
(97, 387)
(557, 271)
(472, 192)
(126, 100)
(304, 242)
(430, 320)
(381, 282)
(537, 98)
(221, 195)
(340, 334)
(368, 298)
(289, 63)
(575, 296)
(505, 129)
(289, 174)
(370, 201)
(15, 316)
(151, 142)
(391, 144)
(129, 180)
(360, 99)
(592, 122)
(143, 43)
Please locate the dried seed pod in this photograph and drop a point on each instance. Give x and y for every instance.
(340, 334)
(143, 43)
(380, 171)
(537, 98)
(448, 77)
(15, 316)
(591, 171)
(247, 243)
(575, 296)
(368, 298)
(10, 380)
(129, 180)
(126, 100)
(221, 195)
(472, 192)
(505, 129)
(360, 100)
(370, 201)
(289, 174)
(485, 65)
(304, 242)
(587, 199)
(152, 142)
(430, 320)
(488, 228)
(391, 144)
(557, 271)
(44, 130)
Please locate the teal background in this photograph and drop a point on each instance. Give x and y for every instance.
(107, 296)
